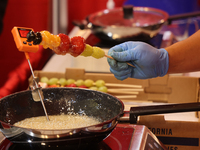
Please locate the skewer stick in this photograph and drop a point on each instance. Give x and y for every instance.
(125, 91)
(128, 90)
(122, 85)
(113, 58)
(121, 92)
(126, 96)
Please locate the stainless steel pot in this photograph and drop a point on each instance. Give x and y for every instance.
(107, 108)
(129, 23)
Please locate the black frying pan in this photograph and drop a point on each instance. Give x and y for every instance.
(21, 105)
(107, 108)
(129, 23)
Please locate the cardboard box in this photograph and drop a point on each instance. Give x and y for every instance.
(177, 133)
(167, 89)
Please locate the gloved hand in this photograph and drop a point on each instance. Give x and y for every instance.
(149, 62)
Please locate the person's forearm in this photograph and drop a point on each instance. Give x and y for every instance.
(184, 56)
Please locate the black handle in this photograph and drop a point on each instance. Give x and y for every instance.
(183, 16)
(82, 24)
(128, 11)
(161, 109)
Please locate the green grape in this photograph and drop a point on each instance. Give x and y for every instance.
(63, 81)
(53, 81)
(100, 83)
(70, 81)
(79, 82)
(88, 82)
(103, 89)
(44, 80)
(93, 88)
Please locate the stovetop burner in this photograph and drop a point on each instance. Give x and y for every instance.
(123, 137)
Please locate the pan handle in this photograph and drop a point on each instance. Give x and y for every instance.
(82, 24)
(161, 109)
(182, 16)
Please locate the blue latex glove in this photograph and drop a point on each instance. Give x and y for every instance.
(149, 62)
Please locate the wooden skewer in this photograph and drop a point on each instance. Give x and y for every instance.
(122, 85)
(121, 92)
(128, 90)
(113, 58)
(125, 91)
(126, 96)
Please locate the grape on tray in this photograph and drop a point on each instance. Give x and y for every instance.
(122, 91)
(99, 85)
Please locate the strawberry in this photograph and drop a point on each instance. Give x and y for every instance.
(77, 45)
(64, 46)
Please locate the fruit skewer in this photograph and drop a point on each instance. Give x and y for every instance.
(61, 44)
(129, 92)
(98, 85)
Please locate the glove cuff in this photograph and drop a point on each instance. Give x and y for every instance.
(164, 62)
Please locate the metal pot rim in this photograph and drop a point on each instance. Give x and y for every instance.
(159, 17)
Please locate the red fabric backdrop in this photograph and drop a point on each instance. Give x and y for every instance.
(14, 67)
(80, 9)
(34, 14)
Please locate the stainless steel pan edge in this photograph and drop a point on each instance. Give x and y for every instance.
(49, 134)
(11, 131)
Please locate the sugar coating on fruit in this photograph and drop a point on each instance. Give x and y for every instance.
(49, 40)
(77, 45)
(88, 82)
(103, 89)
(61, 44)
(64, 46)
(98, 52)
(100, 83)
(87, 51)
